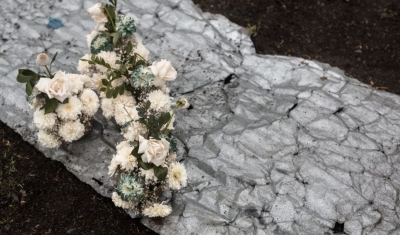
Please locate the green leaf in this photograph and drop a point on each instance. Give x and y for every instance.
(104, 81)
(121, 90)
(115, 39)
(122, 68)
(103, 89)
(143, 121)
(29, 88)
(65, 101)
(54, 58)
(164, 118)
(129, 48)
(160, 172)
(115, 92)
(106, 33)
(135, 152)
(50, 105)
(108, 93)
(25, 75)
(148, 103)
(144, 165)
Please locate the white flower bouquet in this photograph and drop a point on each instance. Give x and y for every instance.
(64, 106)
(133, 92)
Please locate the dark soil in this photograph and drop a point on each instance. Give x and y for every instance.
(39, 196)
(360, 37)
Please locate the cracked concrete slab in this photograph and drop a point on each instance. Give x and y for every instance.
(273, 144)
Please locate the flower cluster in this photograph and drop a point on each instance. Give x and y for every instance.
(133, 91)
(64, 106)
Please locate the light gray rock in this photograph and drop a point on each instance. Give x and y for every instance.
(270, 147)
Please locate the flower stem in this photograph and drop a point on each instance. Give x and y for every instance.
(170, 119)
(48, 71)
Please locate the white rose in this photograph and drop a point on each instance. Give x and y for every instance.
(97, 13)
(59, 87)
(163, 71)
(42, 59)
(153, 150)
(98, 16)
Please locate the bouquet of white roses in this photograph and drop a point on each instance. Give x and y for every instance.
(133, 92)
(64, 106)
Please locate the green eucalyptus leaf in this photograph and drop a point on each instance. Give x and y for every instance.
(121, 90)
(103, 89)
(108, 93)
(160, 172)
(115, 92)
(104, 81)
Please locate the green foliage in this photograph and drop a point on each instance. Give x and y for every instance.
(112, 74)
(160, 172)
(26, 75)
(153, 122)
(145, 166)
(29, 77)
(50, 105)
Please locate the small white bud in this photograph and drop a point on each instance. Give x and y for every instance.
(183, 103)
(42, 59)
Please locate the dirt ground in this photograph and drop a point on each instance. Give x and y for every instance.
(360, 37)
(39, 196)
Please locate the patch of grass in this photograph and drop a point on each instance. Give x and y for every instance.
(253, 29)
(12, 193)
